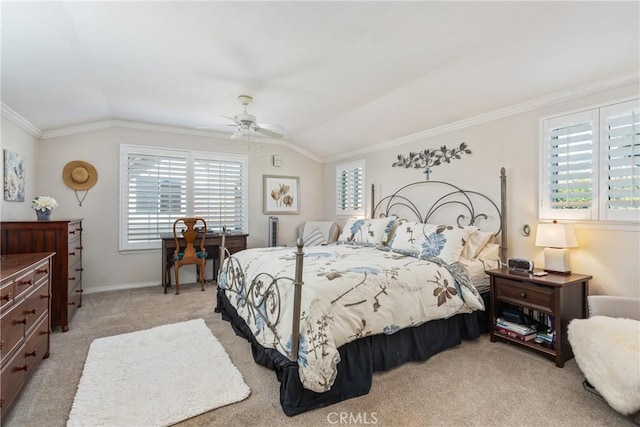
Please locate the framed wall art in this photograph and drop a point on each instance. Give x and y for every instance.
(281, 194)
(13, 176)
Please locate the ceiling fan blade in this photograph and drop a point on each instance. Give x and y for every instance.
(273, 131)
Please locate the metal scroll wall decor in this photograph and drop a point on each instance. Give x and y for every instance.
(429, 158)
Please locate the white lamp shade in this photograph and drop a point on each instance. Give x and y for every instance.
(556, 236)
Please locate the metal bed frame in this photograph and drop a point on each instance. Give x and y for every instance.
(262, 296)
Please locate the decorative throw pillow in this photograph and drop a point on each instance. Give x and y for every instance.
(314, 238)
(372, 231)
(440, 241)
(475, 243)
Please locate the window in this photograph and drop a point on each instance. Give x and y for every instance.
(160, 185)
(350, 188)
(591, 164)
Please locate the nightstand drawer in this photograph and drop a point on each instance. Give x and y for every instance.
(523, 293)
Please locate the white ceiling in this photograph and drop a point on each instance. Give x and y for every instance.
(339, 76)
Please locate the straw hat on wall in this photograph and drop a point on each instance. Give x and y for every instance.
(79, 175)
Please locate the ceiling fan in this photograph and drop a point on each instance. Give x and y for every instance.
(246, 123)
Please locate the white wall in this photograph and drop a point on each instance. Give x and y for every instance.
(611, 256)
(105, 268)
(19, 141)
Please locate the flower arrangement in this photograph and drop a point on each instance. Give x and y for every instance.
(43, 203)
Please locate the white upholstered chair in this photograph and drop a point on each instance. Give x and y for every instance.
(607, 350)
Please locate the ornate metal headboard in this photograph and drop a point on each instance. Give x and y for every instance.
(468, 207)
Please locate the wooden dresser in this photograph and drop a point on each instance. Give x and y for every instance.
(25, 300)
(64, 237)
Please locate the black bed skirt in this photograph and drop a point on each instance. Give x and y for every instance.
(358, 359)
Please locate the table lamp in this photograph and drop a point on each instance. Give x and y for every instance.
(556, 238)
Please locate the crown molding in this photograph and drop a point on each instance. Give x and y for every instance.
(20, 121)
(71, 130)
(546, 101)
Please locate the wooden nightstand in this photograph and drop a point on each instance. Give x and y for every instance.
(562, 296)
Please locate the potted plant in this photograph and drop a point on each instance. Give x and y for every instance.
(43, 205)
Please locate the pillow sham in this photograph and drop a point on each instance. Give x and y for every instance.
(476, 241)
(441, 241)
(490, 252)
(373, 231)
(314, 238)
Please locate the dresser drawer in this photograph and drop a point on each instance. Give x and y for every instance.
(24, 283)
(41, 271)
(37, 344)
(36, 304)
(12, 326)
(74, 253)
(13, 376)
(7, 294)
(525, 294)
(74, 230)
(74, 299)
(75, 277)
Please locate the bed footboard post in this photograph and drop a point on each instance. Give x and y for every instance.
(297, 296)
(222, 251)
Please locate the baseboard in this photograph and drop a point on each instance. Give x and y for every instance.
(122, 287)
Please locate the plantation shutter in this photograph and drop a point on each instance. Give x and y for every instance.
(219, 189)
(621, 161)
(570, 170)
(158, 186)
(157, 195)
(350, 189)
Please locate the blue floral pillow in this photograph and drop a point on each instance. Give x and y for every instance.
(439, 241)
(371, 231)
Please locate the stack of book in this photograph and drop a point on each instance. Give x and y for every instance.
(515, 330)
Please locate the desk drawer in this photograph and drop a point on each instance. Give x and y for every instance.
(525, 294)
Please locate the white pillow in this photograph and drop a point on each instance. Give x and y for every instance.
(490, 252)
(372, 231)
(475, 243)
(441, 241)
(314, 238)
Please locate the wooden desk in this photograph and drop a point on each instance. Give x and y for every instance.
(234, 242)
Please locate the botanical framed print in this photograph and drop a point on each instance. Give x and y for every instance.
(281, 194)
(13, 176)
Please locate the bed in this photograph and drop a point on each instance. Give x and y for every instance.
(393, 289)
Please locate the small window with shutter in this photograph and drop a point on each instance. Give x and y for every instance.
(350, 188)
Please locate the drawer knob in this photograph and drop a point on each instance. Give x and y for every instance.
(523, 295)
(1, 345)
(33, 311)
(30, 354)
(79, 269)
(72, 278)
(23, 321)
(79, 291)
(72, 253)
(22, 368)
(79, 248)
(6, 297)
(42, 270)
(72, 232)
(72, 303)
(45, 296)
(25, 282)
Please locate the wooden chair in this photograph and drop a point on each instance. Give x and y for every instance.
(186, 252)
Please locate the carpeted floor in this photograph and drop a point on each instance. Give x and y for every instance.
(476, 384)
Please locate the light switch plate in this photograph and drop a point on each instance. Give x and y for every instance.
(277, 160)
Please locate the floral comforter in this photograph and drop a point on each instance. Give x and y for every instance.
(349, 292)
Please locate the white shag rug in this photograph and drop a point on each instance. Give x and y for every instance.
(155, 377)
(607, 350)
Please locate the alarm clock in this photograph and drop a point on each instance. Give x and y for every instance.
(520, 264)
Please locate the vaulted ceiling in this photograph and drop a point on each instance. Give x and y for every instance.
(338, 76)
